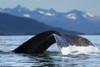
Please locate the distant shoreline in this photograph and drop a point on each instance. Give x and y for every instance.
(36, 34)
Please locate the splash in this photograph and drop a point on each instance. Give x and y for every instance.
(79, 50)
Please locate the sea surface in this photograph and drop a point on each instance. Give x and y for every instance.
(51, 58)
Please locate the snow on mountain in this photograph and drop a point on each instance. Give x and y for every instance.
(89, 14)
(27, 15)
(41, 12)
(71, 16)
(86, 15)
(49, 14)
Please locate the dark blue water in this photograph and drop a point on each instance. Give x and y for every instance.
(51, 58)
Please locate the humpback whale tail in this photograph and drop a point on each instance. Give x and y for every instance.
(72, 43)
(41, 42)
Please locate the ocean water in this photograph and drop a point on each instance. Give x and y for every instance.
(53, 57)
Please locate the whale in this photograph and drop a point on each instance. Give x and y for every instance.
(42, 41)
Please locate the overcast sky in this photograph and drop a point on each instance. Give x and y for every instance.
(91, 6)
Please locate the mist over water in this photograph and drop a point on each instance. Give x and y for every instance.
(52, 57)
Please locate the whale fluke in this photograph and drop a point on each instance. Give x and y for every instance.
(37, 44)
(73, 40)
(41, 42)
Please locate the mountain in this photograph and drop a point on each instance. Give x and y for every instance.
(75, 20)
(13, 25)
